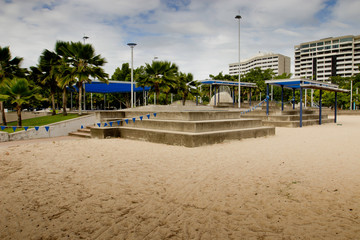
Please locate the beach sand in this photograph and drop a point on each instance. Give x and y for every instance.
(302, 183)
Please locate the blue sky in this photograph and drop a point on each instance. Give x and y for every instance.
(201, 36)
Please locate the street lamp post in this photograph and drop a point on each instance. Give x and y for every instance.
(132, 45)
(85, 38)
(239, 17)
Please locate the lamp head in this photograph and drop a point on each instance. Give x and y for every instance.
(131, 45)
(238, 17)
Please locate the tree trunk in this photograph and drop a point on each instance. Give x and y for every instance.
(157, 96)
(80, 93)
(53, 104)
(184, 99)
(64, 102)
(18, 110)
(3, 113)
(166, 98)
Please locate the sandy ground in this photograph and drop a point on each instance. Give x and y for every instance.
(300, 184)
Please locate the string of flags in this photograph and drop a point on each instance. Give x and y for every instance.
(256, 106)
(47, 128)
(111, 123)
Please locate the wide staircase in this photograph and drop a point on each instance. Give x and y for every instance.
(190, 129)
(288, 118)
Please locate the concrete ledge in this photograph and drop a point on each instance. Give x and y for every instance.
(194, 139)
(104, 132)
(195, 126)
(296, 123)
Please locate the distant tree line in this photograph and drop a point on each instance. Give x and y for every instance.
(74, 63)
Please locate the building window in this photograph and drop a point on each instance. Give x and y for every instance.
(336, 41)
(346, 40)
(304, 46)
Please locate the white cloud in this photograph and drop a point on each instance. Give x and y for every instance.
(201, 37)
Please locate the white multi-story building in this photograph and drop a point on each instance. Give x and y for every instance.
(321, 59)
(278, 63)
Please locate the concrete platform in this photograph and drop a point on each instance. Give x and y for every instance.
(188, 139)
(188, 128)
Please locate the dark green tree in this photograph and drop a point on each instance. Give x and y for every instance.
(83, 63)
(9, 68)
(18, 91)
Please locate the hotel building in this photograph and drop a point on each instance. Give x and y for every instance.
(321, 59)
(278, 63)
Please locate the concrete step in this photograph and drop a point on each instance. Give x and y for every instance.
(297, 112)
(193, 139)
(296, 117)
(80, 134)
(194, 126)
(188, 115)
(296, 123)
(84, 130)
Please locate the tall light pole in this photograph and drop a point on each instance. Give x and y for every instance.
(239, 17)
(85, 38)
(132, 45)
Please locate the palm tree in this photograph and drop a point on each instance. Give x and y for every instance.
(65, 79)
(83, 63)
(48, 65)
(187, 86)
(18, 92)
(160, 74)
(9, 68)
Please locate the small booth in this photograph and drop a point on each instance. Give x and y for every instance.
(215, 86)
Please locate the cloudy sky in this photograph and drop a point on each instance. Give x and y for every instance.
(201, 36)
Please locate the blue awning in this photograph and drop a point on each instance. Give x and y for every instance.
(297, 83)
(111, 87)
(227, 83)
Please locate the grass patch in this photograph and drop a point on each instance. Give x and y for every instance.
(40, 121)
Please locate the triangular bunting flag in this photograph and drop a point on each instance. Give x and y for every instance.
(141, 117)
(3, 127)
(127, 121)
(26, 128)
(110, 123)
(36, 128)
(118, 122)
(47, 128)
(82, 126)
(105, 124)
(134, 119)
(148, 116)
(14, 128)
(99, 124)
(154, 114)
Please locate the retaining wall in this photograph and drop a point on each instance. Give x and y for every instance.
(56, 129)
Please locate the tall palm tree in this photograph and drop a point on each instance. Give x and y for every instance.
(65, 79)
(160, 74)
(83, 62)
(48, 64)
(9, 68)
(187, 86)
(18, 92)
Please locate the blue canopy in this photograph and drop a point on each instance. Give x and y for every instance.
(111, 87)
(226, 83)
(297, 83)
